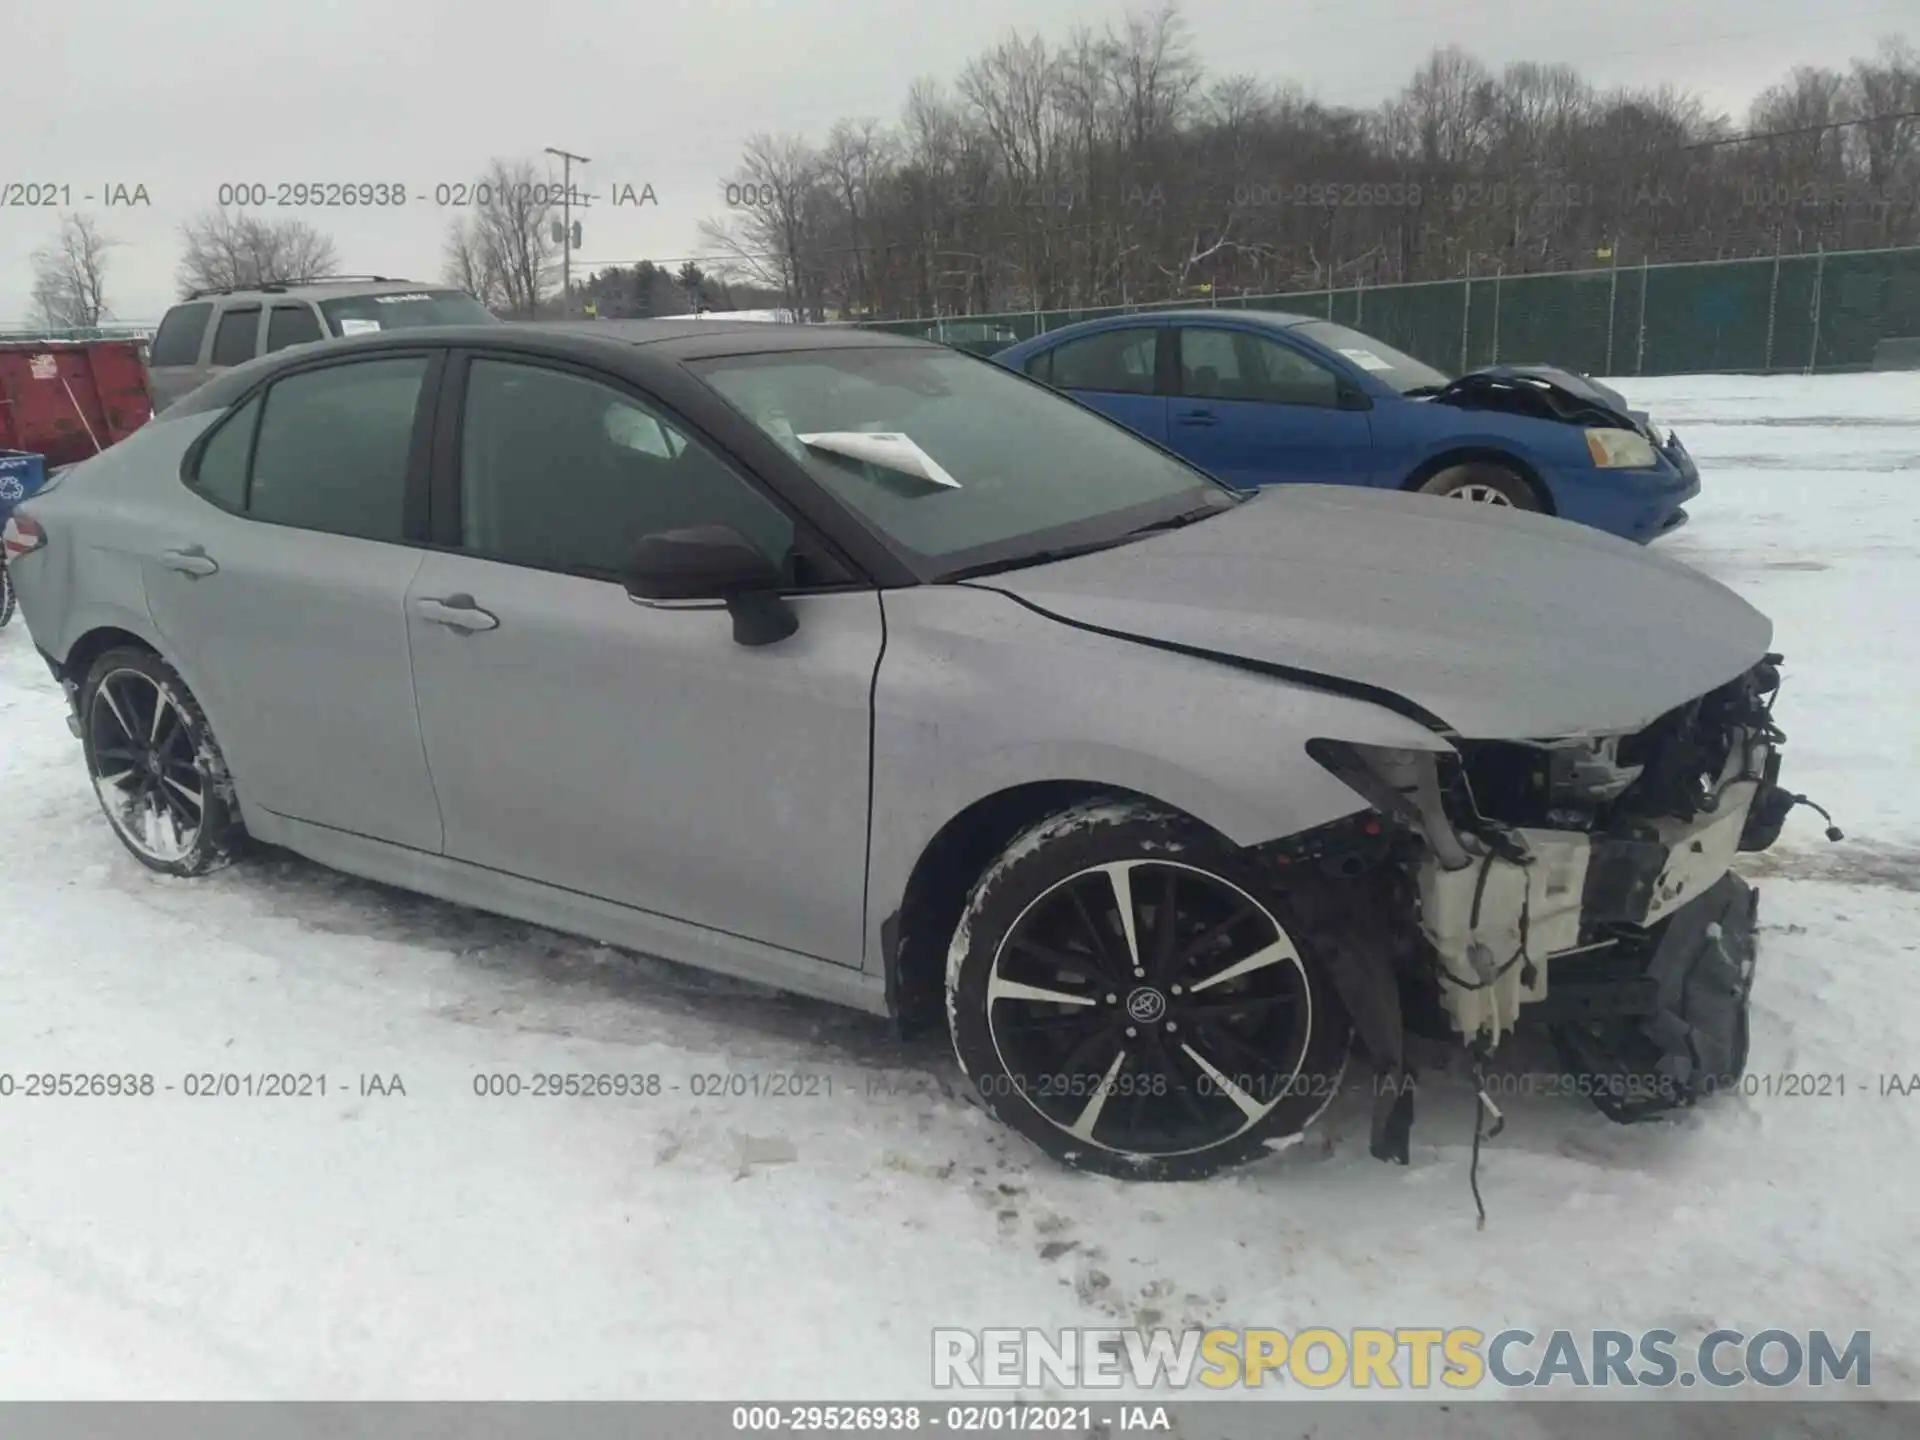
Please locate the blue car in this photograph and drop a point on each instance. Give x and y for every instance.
(1264, 398)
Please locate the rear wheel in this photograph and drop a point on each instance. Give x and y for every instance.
(155, 765)
(1125, 992)
(6, 594)
(1484, 484)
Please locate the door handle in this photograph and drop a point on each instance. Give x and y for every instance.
(1196, 417)
(190, 561)
(456, 612)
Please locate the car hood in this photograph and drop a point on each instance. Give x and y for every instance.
(1497, 623)
(1579, 399)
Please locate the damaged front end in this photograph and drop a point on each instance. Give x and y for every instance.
(1546, 392)
(1583, 884)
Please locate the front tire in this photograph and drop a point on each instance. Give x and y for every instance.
(1124, 990)
(155, 765)
(1483, 484)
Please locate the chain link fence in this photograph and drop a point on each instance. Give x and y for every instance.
(1794, 313)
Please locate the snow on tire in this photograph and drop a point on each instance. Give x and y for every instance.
(1124, 990)
(155, 765)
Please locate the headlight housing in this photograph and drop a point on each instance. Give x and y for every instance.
(1621, 450)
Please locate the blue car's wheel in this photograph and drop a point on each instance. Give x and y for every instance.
(1485, 485)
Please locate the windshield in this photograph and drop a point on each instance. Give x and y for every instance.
(955, 459)
(1383, 362)
(364, 314)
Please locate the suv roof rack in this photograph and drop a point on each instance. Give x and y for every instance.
(278, 287)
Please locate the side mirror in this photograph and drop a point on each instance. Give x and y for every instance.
(715, 562)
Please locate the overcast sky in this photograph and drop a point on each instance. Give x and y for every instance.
(183, 97)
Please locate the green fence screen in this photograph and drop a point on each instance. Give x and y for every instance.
(1791, 313)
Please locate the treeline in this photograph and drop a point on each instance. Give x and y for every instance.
(646, 289)
(1109, 169)
(506, 251)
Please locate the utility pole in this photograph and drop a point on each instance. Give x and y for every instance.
(566, 225)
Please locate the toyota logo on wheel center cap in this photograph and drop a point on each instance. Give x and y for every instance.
(1146, 1005)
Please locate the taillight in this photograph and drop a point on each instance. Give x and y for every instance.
(21, 536)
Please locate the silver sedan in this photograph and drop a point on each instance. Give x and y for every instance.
(861, 667)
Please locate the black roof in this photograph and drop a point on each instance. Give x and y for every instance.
(673, 339)
(689, 339)
(665, 342)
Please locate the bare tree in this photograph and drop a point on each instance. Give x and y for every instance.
(70, 276)
(776, 237)
(468, 264)
(228, 250)
(1884, 93)
(503, 252)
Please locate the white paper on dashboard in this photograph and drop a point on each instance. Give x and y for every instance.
(358, 327)
(1367, 360)
(883, 447)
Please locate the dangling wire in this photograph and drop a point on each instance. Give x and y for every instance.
(1833, 830)
(1482, 1107)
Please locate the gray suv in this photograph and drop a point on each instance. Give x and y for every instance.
(212, 330)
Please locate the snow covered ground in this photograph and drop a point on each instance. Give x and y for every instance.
(770, 317)
(439, 1244)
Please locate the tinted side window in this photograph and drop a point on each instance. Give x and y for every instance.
(177, 341)
(1235, 365)
(291, 325)
(333, 448)
(1209, 365)
(1119, 360)
(1040, 367)
(1287, 377)
(560, 472)
(221, 474)
(236, 339)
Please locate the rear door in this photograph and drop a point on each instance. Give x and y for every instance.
(1114, 372)
(173, 360)
(633, 751)
(236, 338)
(1253, 410)
(281, 588)
(292, 322)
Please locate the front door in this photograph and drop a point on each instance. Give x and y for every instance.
(631, 752)
(1253, 411)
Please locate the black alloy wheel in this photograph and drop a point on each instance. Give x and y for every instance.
(1131, 997)
(155, 767)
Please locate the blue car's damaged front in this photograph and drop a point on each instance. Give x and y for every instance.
(1563, 427)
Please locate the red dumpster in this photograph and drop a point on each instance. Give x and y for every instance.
(68, 400)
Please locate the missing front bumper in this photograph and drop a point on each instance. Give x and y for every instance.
(1503, 928)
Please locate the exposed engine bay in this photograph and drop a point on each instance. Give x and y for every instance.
(1583, 883)
(1546, 392)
